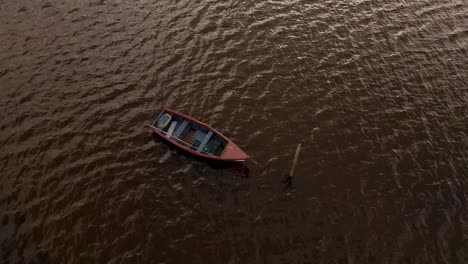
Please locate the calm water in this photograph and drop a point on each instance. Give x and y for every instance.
(376, 91)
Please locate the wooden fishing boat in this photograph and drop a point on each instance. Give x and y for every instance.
(196, 137)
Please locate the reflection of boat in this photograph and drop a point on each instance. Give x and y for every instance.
(196, 137)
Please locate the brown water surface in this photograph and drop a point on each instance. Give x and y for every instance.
(376, 91)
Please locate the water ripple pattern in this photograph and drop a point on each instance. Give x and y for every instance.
(376, 91)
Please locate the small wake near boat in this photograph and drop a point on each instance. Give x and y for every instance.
(196, 137)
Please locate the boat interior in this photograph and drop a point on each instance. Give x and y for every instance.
(190, 134)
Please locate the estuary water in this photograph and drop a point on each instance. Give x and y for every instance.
(375, 91)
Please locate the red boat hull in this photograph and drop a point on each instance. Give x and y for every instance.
(230, 153)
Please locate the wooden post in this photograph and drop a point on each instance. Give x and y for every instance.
(296, 156)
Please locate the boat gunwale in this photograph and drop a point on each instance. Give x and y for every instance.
(198, 122)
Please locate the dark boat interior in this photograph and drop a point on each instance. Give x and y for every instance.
(190, 134)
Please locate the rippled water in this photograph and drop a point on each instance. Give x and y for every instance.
(376, 91)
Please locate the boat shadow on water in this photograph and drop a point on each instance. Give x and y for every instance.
(239, 168)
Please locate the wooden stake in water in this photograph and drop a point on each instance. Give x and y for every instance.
(296, 156)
